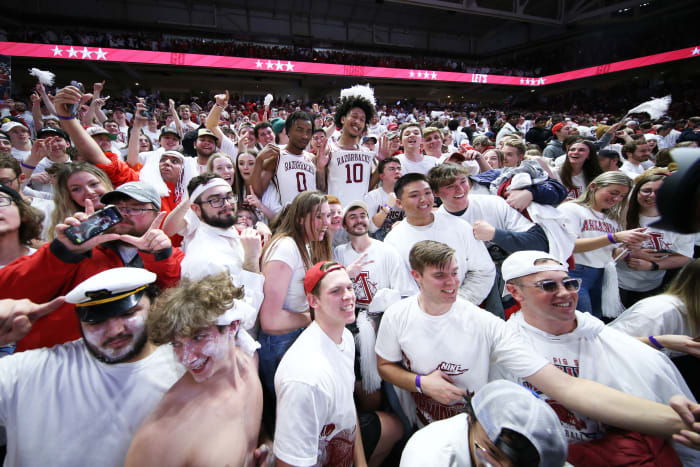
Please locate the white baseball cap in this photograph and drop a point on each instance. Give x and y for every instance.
(523, 263)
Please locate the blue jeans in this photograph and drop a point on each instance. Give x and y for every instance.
(272, 349)
(589, 297)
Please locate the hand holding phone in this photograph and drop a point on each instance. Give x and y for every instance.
(94, 225)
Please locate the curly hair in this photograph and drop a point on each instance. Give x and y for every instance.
(348, 103)
(31, 218)
(184, 310)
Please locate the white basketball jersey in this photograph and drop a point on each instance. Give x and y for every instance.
(294, 175)
(349, 171)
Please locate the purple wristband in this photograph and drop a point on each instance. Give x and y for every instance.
(655, 343)
(611, 238)
(418, 388)
(61, 117)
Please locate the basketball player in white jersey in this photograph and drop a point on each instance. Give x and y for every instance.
(344, 170)
(290, 168)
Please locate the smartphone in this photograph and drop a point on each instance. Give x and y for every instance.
(94, 225)
(74, 108)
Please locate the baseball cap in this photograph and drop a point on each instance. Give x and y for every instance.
(98, 130)
(318, 272)
(110, 293)
(681, 188)
(9, 126)
(277, 125)
(206, 132)
(169, 131)
(50, 131)
(369, 137)
(503, 404)
(523, 263)
(138, 191)
(557, 127)
(354, 205)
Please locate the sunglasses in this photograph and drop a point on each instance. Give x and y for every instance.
(550, 286)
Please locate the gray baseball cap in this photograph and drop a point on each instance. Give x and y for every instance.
(138, 191)
(503, 404)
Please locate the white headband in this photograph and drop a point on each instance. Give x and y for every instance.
(210, 184)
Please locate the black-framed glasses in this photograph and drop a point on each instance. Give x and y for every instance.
(7, 181)
(572, 284)
(219, 202)
(128, 210)
(5, 201)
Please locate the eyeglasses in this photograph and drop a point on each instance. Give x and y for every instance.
(219, 202)
(549, 286)
(4, 201)
(7, 181)
(133, 211)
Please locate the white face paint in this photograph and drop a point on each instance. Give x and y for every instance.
(120, 338)
(205, 353)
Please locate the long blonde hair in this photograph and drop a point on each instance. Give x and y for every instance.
(684, 286)
(587, 198)
(290, 222)
(65, 206)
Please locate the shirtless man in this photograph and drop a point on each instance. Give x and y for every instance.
(211, 416)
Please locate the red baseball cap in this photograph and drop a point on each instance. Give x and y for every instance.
(318, 272)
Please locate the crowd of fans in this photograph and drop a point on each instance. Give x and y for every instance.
(341, 282)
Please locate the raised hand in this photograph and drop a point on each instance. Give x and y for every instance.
(356, 266)
(222, 99)
(65, 99)
(153, 240)
(75, 220)
(17, 317)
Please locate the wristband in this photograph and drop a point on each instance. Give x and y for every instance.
(655, 343)
(386, 208)
(219, 106)
(418, 388)
(61, 117)
(654, 266)
(27, 166)
(611, 238)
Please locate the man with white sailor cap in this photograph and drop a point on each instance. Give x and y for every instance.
(582, 346)
(212, 415)
(81, 402)
(503, 424)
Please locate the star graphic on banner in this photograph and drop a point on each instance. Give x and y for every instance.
(270, 65)
(522, 81)
(101, 54)
(86, 53)
(426, 75)
(696, 51)
(289, 66)
(433, 75)
(72, 52)
(541, 81)
(57, 51)
(279, 65)
(411, 74)
(258, 64)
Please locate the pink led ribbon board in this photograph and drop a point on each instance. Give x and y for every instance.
(68, 52)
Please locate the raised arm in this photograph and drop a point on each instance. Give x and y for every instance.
(88, 148)
(212, 122)
(132, 156)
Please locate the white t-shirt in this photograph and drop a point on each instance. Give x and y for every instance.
(286, 250)
(60, 406)
(422, 167)
(590, 224)
(495, 211)
(144, 156)
(229, 147)
(46, 206)
(578, 182)
(316, 418)
(386, 272)
(153, 136)
(349, 171)
(444, 443)
(641, 281)
(374, 200)
(631, 170)
(655, 316)
(463, 343)
(19, 154)
(475, 264)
